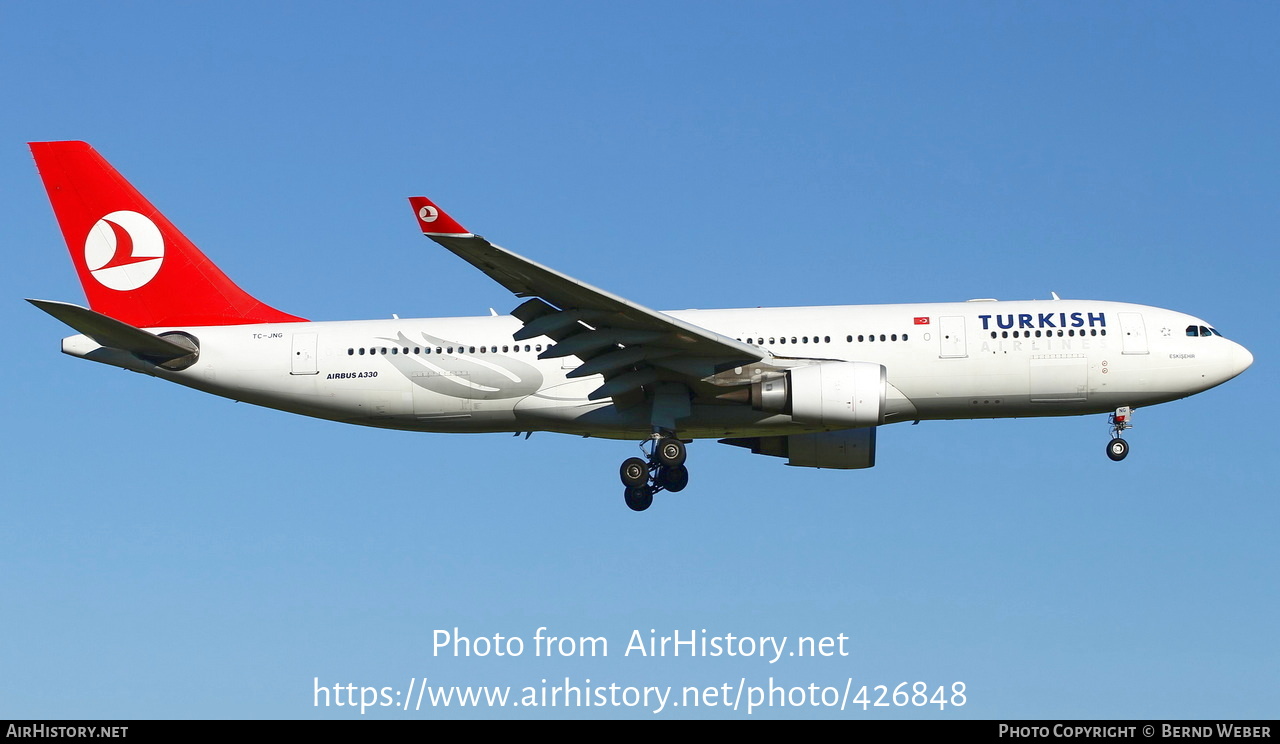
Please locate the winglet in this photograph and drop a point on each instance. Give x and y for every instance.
(433, 220)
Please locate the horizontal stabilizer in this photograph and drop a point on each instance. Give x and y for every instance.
(112, 333)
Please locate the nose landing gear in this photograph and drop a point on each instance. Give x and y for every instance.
(1122, 419)
(663, 470)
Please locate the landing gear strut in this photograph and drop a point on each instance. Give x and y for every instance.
(662, 470)
(1117, 448)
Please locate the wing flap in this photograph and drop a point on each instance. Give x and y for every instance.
(527, 278)
(633, 347)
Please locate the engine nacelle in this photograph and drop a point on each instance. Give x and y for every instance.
(849, 449)
(834, 394)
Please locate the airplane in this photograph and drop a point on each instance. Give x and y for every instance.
(808, 384)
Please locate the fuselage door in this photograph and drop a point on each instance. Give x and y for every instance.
(1134, 333)
(951, 337)
(304, 355)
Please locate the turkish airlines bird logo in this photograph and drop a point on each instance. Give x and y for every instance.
(428, 213)
(124, 250)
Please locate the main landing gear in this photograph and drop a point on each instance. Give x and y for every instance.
(1117, 448)
(663, 470)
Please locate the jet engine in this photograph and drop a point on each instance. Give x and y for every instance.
(833, 394)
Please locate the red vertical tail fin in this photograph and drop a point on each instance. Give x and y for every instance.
(134, 265)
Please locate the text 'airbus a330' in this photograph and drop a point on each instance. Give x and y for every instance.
(809, 384)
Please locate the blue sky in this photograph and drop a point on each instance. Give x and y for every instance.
(170, 554)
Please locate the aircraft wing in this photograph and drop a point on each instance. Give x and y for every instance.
(630, 345)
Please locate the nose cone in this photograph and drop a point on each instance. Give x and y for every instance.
(1240, 359)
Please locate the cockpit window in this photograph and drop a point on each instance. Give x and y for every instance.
(1194, 331)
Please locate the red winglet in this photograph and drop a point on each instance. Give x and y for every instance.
(433, 220)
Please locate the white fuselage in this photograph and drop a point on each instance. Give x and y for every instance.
(978, 359)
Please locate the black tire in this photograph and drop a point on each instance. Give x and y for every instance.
(639, 498)
(674, 479)
(1117, 449)
(634, 472)
(671, 452)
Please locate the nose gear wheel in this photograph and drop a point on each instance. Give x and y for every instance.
(1122, 419)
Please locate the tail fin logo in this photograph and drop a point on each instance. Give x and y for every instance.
(428, 213)
(124, 250)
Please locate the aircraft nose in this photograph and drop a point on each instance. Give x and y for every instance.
(1241, 359)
